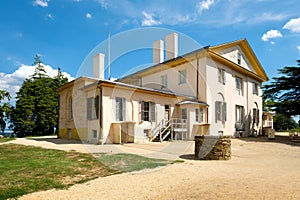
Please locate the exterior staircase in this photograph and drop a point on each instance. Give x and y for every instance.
(172, 129)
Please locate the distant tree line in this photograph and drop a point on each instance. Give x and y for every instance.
(282, 96)
(36, 108)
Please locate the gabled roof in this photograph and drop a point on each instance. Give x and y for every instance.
(259, 74)
(244, 45)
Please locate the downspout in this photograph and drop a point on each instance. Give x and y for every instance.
(101, 114)
(197, 78)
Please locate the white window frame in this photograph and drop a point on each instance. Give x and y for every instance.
(255, 89)
(239, 58)
(183, 113)
(199, 115)
(221, 76)
(221, 111)
(91, 108)
(120, 109)
(164, 81)
(239, 85)
(182, 76)
(148, 111)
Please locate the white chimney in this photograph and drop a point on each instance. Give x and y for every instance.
(158, 51)
(171, 46)
(99, 66)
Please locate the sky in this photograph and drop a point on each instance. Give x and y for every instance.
(64, 32)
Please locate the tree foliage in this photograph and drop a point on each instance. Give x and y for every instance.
(4, 108)
(36, 110)
(284, 123)
(283, 94)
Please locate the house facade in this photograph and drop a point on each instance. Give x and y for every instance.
(211, 91)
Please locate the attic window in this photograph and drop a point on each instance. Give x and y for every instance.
(239, 58)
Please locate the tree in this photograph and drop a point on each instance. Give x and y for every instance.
(4, 108)
(36, 111)
(283, 122)
(283, 94)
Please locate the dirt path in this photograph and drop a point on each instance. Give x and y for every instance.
(259, 169)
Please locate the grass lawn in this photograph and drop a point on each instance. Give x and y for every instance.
(26, 169)
(6, 139)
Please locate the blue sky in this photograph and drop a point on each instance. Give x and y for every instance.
(64, 32)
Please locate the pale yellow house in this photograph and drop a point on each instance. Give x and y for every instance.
(211, 91)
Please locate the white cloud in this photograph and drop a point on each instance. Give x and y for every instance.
(50, 16)
(298, 47)
(204, 5)
(103, 3)
(264, 17)
(149, 20)
(271, 34)
(88, 15)
(12, 82)
(293, 25)
(42, 3)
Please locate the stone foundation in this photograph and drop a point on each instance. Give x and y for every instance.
(212, 148)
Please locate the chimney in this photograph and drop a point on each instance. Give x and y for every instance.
(158, 51)
(171, 46)
(99, 66)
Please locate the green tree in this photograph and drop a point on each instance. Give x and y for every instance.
(36, 111)
(283, 93)
(284, 123)
(4, 108)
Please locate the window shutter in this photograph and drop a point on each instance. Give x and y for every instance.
(142, 111)
(89, 108)
(257, 115)
(224, 76)
(224, 112)
(97, 106)
(152, 107)
(216, 111)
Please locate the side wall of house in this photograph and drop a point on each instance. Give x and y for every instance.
(226, 93)
(132, 111)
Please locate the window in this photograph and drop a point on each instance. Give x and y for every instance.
(239, 118)
(120, 109)
(182, 76)
(148, 111)
(255, 88)
(70, 109)
(199, 115)
(239, 86)
(164, 81)
(221, 76)
(183, 113)
(239, 58)
(255, 116)
(93, 108)
(221, 111)
(94, 133)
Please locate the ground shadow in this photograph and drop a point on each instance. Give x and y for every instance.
(278, 139)
(56, 140)
(188, 157)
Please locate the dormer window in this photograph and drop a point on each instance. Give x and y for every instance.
(239, 58)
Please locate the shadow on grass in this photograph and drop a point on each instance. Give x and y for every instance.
(56, 140)
(278, 139)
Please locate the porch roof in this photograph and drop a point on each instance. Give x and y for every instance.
(195, 102)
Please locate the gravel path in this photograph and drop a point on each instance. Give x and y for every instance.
(259, 169)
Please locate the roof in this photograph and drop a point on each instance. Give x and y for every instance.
(192, 102)
(243, 43)
(213, 53)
